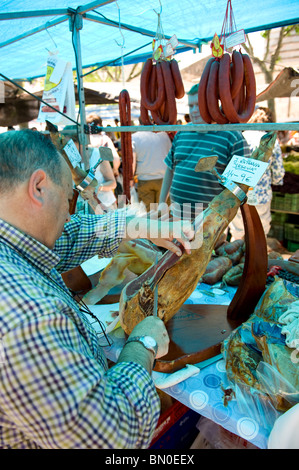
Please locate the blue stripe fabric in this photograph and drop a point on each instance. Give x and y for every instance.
(189, 186)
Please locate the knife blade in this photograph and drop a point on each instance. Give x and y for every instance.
(155, 306)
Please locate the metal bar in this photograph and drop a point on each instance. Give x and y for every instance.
(104, 64)
(274, 126)
(128, 27)
(37, 98)
(35, 30)
(14, 15)
(129, 60)
(76, 24)
(91, 6)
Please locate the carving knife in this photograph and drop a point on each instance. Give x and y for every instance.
(155, 307)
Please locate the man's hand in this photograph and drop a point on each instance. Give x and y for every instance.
(153, 326)
(135, 352)
(163, 233)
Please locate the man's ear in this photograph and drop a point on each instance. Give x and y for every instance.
(37, 186)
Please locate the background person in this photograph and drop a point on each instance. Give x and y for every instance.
(104, 175)
(149, 152)
(103, 140)
(181, 181)
(56, 389)
(106, 181)
(261, 195)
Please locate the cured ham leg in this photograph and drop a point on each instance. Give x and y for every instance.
(176, 278)
(136, 256)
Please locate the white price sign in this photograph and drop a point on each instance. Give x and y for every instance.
(245, 170)
(72, 153)
(234, 39)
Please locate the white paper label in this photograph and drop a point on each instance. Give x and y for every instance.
(168, 50)
(174, 41)
(72, 153)
(245, 170)
(235, 39)
(251, 197)
(60, 94)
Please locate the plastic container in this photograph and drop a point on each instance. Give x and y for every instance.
(285, 202)
(291, 232)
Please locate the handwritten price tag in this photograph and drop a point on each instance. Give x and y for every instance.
(245, 170)
(234, 39)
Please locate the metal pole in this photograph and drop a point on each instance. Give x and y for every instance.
(76, 24)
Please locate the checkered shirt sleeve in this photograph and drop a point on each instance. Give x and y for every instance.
(56, 389)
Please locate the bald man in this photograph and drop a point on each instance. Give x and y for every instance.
(57, 390)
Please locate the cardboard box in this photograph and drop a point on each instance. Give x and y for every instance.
(176, 428)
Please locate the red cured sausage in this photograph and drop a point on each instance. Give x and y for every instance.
(213, 97)
(177, 79)
(144, 116)
(161, 116)
(202, 88)
(239, 100)
(126, 141)
(237, 72)
(170, 97)
(144, 86)
(152, 84)
(228, 106)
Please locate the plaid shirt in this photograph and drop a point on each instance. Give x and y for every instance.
(56, 389)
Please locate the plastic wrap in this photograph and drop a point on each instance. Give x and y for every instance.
(262, 370)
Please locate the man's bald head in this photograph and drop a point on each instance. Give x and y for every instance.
(21, 153)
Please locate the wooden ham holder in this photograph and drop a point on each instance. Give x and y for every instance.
(197, 331)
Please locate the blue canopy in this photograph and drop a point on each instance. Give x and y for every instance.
(115, 31)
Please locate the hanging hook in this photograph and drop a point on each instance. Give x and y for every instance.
(160, 9)
(50, 37)
(122, 47)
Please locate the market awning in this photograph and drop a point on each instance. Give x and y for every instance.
(115, 32)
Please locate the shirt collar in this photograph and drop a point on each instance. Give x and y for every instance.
(29, 248)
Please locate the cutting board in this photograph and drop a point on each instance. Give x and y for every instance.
(196, 333)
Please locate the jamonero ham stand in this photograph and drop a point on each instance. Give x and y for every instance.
(196, 331)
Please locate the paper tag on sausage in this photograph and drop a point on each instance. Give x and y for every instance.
(174, 41)
(234, 39)
(72, 153)
(168, 50)
(245, 170)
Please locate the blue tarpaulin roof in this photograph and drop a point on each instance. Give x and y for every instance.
(123, 28)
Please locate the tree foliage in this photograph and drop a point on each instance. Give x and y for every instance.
(272, 55)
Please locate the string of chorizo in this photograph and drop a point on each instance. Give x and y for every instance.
(177, 79)
(160, 84)
(126, 142)
(237, 72)
(213, 95)
(145, 85)
(229, 109)
(202, 92)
